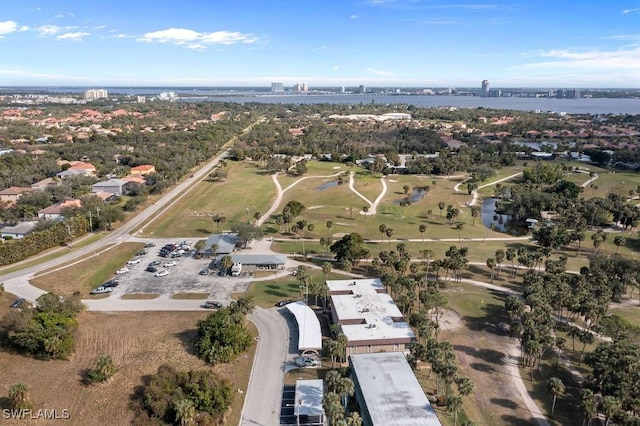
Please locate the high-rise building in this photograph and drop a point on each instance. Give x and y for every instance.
(277, 87)
(485, 87)
(305, 87)
(93, 94)
(362, 88)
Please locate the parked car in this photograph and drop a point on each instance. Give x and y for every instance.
(170, 264)
(151, 269)
(282, 303)
(162, 273)
(101, 290)
(149, 245)
(176, 254)
(204, 272)
(141, 253)
(154, 263)
(122, 271)
(111, 283)
(306, 361)
(212, 305)
(18, 302)
(134, 262)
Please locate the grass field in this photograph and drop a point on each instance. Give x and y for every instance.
(190, 216)
(87, 274)
(139, 342)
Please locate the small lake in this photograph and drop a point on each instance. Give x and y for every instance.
(327, 185)
(502, 222)
(416, 195)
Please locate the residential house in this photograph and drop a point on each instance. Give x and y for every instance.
(13, 193)
(144, 170)
(55, 212)
(44, 183)
(18, 231)
(112, 186)
(77, 168)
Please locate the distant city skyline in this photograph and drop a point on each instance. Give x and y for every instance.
(370, 43)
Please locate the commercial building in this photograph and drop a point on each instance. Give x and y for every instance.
(94, 94)
(368, 317)
(277, 87)
(308, 402)
(388, 392)
(485, 88)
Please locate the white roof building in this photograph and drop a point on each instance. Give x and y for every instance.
(309, 332)
(368, 316)
(308, 401)
(388, 392)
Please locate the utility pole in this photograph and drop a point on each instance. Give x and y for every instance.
(90, 222)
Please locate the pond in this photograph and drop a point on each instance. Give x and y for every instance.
(502, 222)
(416, 195)
(327, 185)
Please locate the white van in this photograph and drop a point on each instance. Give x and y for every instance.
(236, 269)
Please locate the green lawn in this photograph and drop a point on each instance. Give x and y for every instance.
(190, 216)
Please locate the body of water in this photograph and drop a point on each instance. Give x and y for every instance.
(501, 222)
(244, 95)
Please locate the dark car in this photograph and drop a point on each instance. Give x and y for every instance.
(149, 245)
(151, 269)
(212, 305)
(18, 302)
(154, 263)
(141, 253)
(111, 283)
(282, 303)
(204, 272)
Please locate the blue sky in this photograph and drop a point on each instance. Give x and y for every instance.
(403, 43)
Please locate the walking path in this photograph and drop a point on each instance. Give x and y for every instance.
(474, 198)
(373, 207)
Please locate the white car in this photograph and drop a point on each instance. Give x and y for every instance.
(122, 271)
(306, 361)
(133, 262)
(162, 273)
(170, 264)
(101, 290)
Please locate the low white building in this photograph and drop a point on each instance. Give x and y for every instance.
(368, 317)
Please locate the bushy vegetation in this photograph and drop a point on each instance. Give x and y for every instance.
(46, 331)
(51, 236)
(105, 369)
(179, 397)
(223, 336)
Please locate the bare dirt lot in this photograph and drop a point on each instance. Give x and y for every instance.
(139, 342)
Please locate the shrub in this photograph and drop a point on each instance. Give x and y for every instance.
(105, 369)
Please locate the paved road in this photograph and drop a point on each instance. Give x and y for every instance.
(262, 403)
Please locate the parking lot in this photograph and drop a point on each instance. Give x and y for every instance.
(184, 277)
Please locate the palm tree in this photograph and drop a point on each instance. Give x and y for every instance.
(329, 225)
(185, 411)
(619, 240)
(610, 407)
(454, 402)
(345, 389)
(556, 388)
(333, 407)
(389, 232)
(491, 264)
(422, 228)
(354, 419)
(257, 216)
(465, 385)
(382, 228)
(475, 213)
(365, 209)
(459, 227)
(441, 206)
(19, 396)
(588, 406)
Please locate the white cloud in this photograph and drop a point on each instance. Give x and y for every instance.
(378, 72)
(625, 37)
(190, 38)
(119, 36)
(588, 60)
(49, 29)
(24, 28)
(354, 16)
(7, 27)
(72, 36)
(336, 68)
(628, 11)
